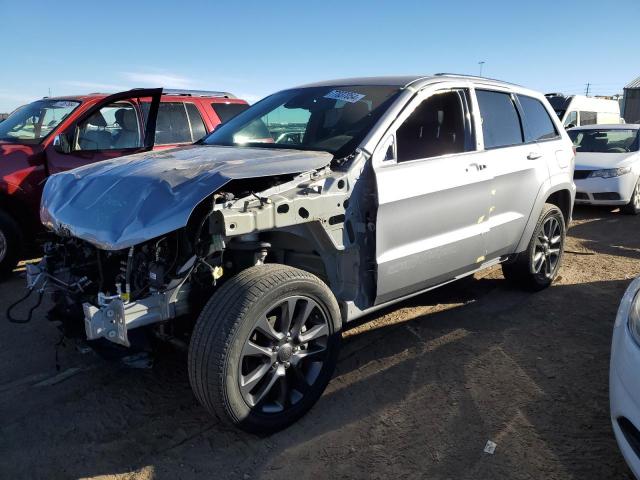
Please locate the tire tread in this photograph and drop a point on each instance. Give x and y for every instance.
(221, 317)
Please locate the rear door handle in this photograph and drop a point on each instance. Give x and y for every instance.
(534, 156)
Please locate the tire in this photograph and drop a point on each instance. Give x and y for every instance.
(537, 267)
(633, 207)
(10, 244)
(224, 360)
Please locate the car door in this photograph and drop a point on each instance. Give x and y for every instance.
(114, 127)
(518, 166)
(433, 195)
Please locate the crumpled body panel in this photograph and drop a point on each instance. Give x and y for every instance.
(122, 202)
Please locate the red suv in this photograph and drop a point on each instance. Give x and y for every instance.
(56, 134)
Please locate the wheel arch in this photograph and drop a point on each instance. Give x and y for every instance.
(562, 200)
(308, 247)
(562, 195)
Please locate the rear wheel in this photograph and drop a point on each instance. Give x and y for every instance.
(10, 243)
(264, 348)
(633, 207)
(538, 265)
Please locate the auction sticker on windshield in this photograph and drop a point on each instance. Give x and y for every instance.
(65, 104)
(351, 97)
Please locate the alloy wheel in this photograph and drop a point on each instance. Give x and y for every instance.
(547, 247)
(636, 196)
(284, 354)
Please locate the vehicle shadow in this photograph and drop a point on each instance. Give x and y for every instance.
(509, 367)
(596, 226)
(416, 394)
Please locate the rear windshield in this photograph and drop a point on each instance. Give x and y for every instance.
(31, 123)
(226, 111)
(605, 140)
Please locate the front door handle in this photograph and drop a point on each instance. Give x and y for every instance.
(477, 166)
(534, 156)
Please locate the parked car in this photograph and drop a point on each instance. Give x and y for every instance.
(57, 134)
(624, 383)
(396, 186)
(579, 110)
(607, 168)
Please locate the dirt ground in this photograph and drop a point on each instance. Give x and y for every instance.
(418, 390)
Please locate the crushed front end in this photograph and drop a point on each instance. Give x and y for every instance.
(114, 292)
(144, 242)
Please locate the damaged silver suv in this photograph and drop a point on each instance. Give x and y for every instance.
(312, 208)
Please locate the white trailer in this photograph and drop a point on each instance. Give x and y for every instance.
(579, 110)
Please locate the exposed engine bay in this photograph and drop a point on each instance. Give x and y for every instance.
(302, 220)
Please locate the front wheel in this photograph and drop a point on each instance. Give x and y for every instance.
(264, 347)
(633, 207)
(538, 265)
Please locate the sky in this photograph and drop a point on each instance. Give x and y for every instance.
(253, 48)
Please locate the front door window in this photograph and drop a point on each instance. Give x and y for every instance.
(113, 127)
(571, 120)
(435, 128)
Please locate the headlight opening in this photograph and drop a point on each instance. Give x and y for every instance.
(610, 172)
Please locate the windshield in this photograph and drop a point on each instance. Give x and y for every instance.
(31, 123)
(605, 141)
(333, 119)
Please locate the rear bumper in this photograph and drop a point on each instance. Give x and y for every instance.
(606, 191)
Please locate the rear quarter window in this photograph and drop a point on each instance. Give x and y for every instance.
(537, 122)
(226, 111)
(198, 129)
(500, 121)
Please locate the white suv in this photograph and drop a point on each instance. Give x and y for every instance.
(312, 208)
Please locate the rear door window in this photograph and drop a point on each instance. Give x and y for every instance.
(537, 123)
(172, 125)
(226, 111)
(500, 120)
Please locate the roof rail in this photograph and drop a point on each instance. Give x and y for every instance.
(196, 93)
(477, 77)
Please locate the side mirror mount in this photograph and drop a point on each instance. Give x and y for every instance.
(568, 126)
(390, 154)
(61, 143)
(385, 152)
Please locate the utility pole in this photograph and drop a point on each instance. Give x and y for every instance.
(481, 65)
(587, 89)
